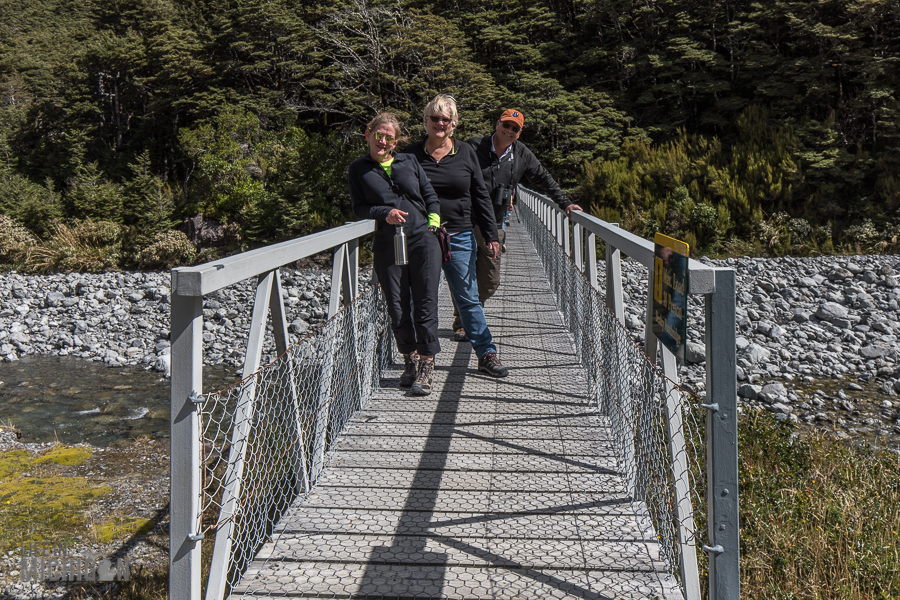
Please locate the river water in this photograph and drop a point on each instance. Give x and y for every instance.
(72, 400)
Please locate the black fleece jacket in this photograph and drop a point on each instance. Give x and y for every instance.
(457, 181)
(511, 171)
(373, 196)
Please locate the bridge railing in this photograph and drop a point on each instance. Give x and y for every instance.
(678, 454)
(241, 456)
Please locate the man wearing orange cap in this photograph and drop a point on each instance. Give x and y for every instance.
(504, 162)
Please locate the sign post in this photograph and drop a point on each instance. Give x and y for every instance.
(670, 286)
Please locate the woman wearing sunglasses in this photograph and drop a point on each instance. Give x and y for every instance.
(394, 190)
(455, 175)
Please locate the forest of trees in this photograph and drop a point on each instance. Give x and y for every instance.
(768, 127)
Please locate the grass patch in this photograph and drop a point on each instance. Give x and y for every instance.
(820, 518)
(38, 504)
(120, 527)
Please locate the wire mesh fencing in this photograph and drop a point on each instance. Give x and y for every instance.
(266, 439)
(658, 429)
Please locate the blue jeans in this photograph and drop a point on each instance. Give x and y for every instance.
(460, 274)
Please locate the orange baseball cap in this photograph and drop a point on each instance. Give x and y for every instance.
(514, 116)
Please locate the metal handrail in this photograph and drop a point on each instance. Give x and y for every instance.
(576, 234)
(189, 285)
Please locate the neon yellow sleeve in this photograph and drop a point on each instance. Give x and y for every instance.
(434, 220)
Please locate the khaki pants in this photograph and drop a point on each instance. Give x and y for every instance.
(487, 273)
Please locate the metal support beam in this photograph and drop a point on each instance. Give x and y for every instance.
(240, 435)
(722, 448)
(591, 266)
(684, 510)
(186, 322)
(614, 296)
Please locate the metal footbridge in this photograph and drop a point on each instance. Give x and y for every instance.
(587, 473)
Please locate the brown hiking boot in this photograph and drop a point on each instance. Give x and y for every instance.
(459, 335)
(490, 364)
(424, 380)
(410, 370)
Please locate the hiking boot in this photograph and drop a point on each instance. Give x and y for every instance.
(424, 380)
(459, 335)
(490, 364)
(410, 370)
(503, 248)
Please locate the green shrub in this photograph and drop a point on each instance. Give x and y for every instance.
(32, 205)
(169, 249)
(16, 242)
(866, 238)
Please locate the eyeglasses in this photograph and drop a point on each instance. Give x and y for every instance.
(440, 119)
(511, 125)
(388, 139)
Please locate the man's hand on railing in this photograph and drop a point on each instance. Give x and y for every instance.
(572, 207)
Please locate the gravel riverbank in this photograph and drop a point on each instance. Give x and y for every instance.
(123, 318)
(816, 340)
(824, 329)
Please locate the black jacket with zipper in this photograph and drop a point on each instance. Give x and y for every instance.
(372, 195)
(511, 171)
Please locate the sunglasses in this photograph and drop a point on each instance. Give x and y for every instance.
(439, 119)
(378, 135)
(510, 125)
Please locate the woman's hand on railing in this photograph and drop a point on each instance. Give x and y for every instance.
(395, 217)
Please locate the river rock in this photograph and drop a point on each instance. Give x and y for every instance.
(771, 391)
(778, 407)
(830, 311)
(164, 364)
(756, 354)
(870, 352)
(750, 392)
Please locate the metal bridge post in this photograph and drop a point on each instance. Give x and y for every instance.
(722, 449)
(186, 322)
(591, 267)
(614, 296)
(578, 243)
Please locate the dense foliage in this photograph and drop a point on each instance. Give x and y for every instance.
(723, 122)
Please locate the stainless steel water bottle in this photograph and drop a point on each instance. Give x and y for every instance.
(400, 257)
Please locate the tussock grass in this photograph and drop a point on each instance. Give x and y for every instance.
(820, 518)
(87, 246)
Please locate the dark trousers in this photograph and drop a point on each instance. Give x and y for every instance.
(417, 280)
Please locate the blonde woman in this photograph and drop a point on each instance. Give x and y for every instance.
(393, 190)
(455, 175)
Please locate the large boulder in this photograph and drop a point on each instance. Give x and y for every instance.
(830, 311)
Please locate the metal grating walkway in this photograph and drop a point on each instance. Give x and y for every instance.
(485, 489)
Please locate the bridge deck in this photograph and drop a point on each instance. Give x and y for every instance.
(485, 489)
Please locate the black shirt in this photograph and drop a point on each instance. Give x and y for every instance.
(457, 181)
(372, 195)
